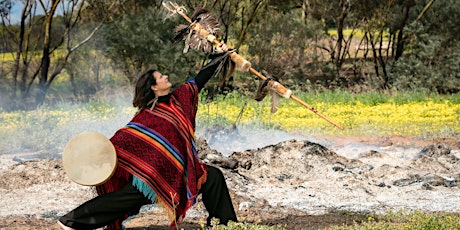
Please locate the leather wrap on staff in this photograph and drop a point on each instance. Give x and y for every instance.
(241, 64)
(280, 89)
(203, 32)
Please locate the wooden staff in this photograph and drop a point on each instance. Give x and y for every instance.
(243, 65)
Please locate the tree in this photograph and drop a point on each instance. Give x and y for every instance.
(137, 39)
(431, 61)
(56, 30)
(280, 43)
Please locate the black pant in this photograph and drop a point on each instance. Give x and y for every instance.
(104, 209)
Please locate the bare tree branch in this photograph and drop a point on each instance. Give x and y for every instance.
(428, 5)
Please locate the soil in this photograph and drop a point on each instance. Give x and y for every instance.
(312, 183)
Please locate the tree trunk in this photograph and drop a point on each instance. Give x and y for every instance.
(43, 84)
(401, 40)
(340, 38)
(19, 50)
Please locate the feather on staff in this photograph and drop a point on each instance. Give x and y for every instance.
(204, 24)
(192, 37)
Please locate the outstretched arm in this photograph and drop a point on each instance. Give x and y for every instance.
(209, 69)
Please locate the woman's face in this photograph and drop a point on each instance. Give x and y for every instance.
(163, 85)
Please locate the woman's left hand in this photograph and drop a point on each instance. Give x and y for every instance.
(222, 47)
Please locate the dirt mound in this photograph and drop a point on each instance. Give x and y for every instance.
(307, 176)
(299, 184)
(30, 173)
(293, 162)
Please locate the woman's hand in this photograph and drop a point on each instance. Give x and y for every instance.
(221, 48)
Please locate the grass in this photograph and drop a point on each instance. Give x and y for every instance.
(48, 129)
(412, 114)
(10, 56)
(357, 33)
(411, 220)
(390, 220)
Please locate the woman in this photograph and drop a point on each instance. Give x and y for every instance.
(157, 159)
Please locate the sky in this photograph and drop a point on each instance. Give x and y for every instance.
(17, 9)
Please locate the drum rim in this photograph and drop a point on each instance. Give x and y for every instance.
(102, 139)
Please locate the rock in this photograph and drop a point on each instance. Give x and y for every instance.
(213, 157)
(435, 150)
(245, 205)
(414, 178)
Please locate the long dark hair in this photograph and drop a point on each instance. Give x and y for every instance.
(143, 93)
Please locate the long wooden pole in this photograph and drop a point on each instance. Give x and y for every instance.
(246, 66)
(298, 100)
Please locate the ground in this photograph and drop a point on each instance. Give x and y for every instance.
(329, 185)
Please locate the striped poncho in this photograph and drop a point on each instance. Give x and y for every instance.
(156, 152)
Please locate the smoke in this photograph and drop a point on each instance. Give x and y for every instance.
(43, 133)
(229, 140)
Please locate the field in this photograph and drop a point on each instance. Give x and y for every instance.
(364, 114)
(49, 128)
(43, 133)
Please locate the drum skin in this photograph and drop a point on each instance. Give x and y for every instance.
(89, 159)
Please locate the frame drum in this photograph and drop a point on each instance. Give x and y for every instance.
(89, 158)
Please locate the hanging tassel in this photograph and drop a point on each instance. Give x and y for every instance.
(145, 189)
(154, 102)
